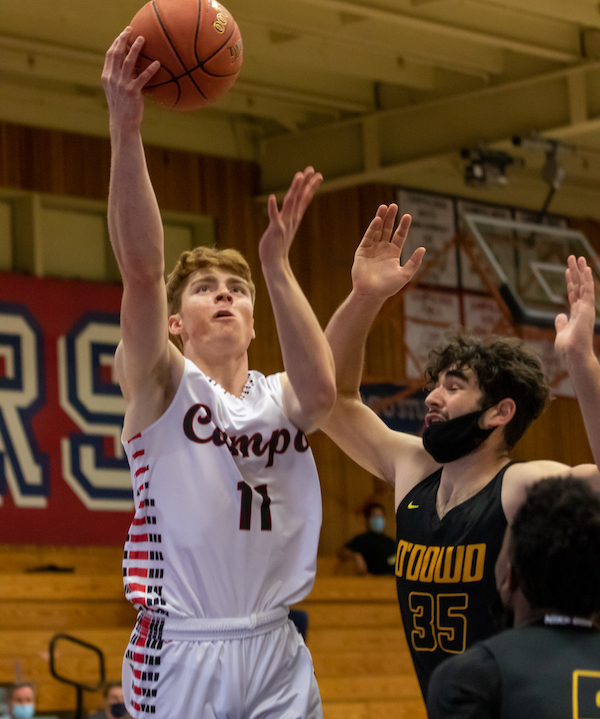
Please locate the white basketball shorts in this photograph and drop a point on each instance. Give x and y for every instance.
(251, 668)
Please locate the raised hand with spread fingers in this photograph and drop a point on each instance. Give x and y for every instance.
(377, 269)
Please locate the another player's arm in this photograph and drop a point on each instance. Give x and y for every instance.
(376, 275)
(308, 382)
(136, 231)
(574, 343)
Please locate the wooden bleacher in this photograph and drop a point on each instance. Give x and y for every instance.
(87, 603)
(355, 635)
(359, 651)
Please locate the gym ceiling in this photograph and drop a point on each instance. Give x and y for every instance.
(373, 91)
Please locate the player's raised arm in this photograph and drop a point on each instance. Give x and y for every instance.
(134, 222)
(309, 379)
(376, 275)
(574, 343)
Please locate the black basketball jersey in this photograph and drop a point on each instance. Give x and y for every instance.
(548, 672)
(445, 572)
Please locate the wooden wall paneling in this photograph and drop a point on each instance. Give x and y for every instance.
(590, 228)
(323, 254)
(559, 434)
(175, 178)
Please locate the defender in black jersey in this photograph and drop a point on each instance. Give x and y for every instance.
(456, 488)
(548, 666)
(445, 571)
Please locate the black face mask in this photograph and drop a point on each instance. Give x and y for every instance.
(454, 438)
(118, 710)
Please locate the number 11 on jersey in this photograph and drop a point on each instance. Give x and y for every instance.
(246, 506)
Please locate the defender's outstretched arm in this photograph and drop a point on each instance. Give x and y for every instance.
(574, 342)
(376, 275)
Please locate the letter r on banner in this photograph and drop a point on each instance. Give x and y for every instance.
(24, 470)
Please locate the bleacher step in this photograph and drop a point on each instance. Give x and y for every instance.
(374, 710)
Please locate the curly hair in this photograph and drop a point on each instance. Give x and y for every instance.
(555, 545)
(504, 368)
(198, 259)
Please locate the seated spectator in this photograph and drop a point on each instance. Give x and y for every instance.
(548, 577)
(372, 552)
(114, 706)
(20, 699)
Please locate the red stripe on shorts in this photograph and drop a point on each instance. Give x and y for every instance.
(137, 572)
(137, 555)
(138, 537)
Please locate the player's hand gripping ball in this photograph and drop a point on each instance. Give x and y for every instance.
(198, 45)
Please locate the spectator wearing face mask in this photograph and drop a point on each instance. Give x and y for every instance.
(114, 706)
(21, 701)
(372, 552)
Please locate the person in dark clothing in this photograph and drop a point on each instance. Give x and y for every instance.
(456, 487)
(372, 552)
(548, 576)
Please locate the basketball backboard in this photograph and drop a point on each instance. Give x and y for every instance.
(528, 261)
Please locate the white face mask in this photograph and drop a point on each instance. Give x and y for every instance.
(23, 711)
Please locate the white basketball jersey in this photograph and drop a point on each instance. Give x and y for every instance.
(228, 504)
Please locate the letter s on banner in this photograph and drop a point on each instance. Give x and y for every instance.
(22, 393)
(93, 400)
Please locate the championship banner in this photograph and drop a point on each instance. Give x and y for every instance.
(64, 478)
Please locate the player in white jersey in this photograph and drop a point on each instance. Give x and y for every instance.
(228, 507)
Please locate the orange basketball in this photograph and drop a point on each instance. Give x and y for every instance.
(198, 45)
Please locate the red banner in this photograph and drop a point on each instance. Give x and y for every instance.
(64, 478)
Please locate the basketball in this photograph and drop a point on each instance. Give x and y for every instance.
(198, 45)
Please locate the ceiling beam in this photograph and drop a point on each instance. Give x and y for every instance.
(469, 58)
(329, 54)
(447, 30)
(86, 113)
(586, 14)
(41, 70)
(349, 152)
